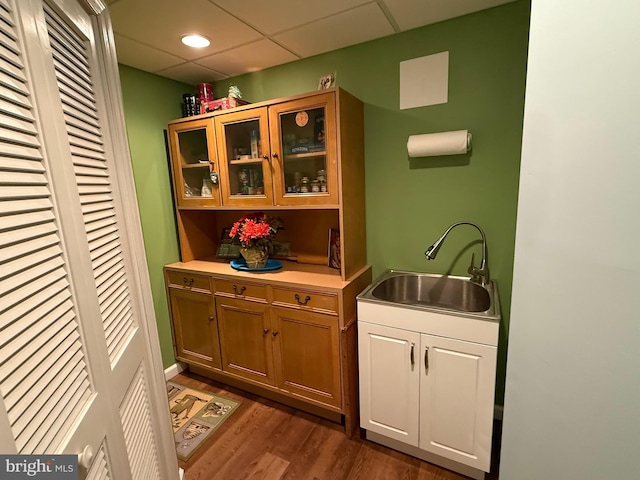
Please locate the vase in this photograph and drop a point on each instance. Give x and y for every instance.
(255, 257)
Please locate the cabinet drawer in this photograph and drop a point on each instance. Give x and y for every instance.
(240, 289)
(327, 302)
(183, 279)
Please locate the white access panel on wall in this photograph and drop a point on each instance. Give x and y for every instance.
(424, 81)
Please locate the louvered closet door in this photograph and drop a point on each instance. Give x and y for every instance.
(70, 52)
(62, 184)
(75, 66)
(45, 378)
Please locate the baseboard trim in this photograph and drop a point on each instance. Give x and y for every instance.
(466, 470)
(174, 369)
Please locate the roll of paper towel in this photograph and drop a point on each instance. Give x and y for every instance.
(434, 144)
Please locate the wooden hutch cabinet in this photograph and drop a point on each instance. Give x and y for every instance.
(287, 334)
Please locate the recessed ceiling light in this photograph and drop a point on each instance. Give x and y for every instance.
(196, 41)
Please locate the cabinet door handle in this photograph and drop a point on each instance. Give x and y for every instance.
(242, 289)
(211, 319)
(300, 302)
(413, 362)
(265, 156)
(426, 360)
(275, 332)
(274, 155)
(265, 331)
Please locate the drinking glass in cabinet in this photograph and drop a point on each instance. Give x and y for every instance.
(304, 151)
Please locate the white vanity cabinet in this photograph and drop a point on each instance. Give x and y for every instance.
(427, 384)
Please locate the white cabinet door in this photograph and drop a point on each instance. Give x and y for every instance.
(389, 369)
(457, 382)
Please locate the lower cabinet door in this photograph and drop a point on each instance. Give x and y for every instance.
(194, 327)
(307, 354)
(389, 381)
(456, 400)
(246, 339)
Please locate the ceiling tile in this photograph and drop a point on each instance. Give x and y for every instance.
(161, 23)
(248, 58)
(140, 56)
(348, 28)
(275, 16)
(416, 13)
(192, 74)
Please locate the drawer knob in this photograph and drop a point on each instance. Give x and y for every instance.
(187, 281)
(300, 302)
(242, 289)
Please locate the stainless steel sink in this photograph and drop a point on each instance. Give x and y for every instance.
(433, 292)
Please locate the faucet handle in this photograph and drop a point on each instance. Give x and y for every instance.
(473, 271)
(478, 275)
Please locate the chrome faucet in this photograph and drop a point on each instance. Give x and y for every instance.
(478, 275)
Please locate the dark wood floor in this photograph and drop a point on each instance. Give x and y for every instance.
(265, 440)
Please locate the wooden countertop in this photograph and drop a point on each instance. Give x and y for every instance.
(291, 273)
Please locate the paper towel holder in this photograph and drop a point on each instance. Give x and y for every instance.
(438, 144)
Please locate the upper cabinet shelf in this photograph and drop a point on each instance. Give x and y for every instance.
(197, 165)
(300, 156)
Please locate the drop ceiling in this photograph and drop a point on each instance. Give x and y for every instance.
(251, 35)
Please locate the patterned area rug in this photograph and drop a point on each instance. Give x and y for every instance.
(195, 415)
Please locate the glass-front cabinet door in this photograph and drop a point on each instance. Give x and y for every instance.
(243, 150)
(303, 145)
(194, 165)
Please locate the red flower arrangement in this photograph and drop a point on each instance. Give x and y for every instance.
(255, 229)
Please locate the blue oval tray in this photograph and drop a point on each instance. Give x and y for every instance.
(241, 264)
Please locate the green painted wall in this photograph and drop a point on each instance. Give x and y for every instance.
(410, 202)
(150, 102)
